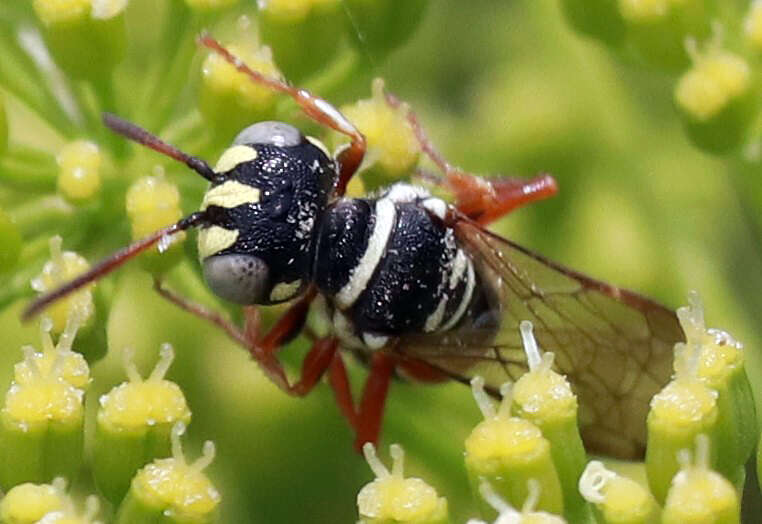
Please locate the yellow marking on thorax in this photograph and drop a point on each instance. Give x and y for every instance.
(230, 194)
(213, 239)
(233, 156)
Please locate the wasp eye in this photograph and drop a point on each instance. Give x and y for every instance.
(270, 132)
(243, 279)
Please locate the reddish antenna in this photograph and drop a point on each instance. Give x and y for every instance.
(111, 263)
(141, 136)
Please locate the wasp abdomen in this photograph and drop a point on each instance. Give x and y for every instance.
(391, 266)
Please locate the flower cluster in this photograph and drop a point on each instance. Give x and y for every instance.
(528, 453)
(62, 172)
(709, 49)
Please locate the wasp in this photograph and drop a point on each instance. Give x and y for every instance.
(414, 286)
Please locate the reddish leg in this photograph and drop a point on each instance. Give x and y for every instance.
(481, 199)
(366, 418)
(323, 356)
(313, 106)
(202, 312)
(371, 410)
(263, 349)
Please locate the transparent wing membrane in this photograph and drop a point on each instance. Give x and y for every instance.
(614, 345)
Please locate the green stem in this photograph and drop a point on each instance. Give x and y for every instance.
(20, 75)
(28, 169)
(173, 49)
(45, 213)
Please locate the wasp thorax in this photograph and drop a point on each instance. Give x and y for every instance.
(258, 240)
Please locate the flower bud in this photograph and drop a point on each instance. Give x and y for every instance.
(393, 149)
(715, 99)
(86, 37)
(545, 398)
(698, 494)
(41, 424)
(61, 268)
(720, 365)
(172, 491)
(27, 503)
(293, 28)
(684, 408)
(71, 365)
(507, 452)
(79, 165)
(229, 100)
(153, 202)
(135, 418)
(392, 498)
(617, 499)
(10, 239)
(657, 29)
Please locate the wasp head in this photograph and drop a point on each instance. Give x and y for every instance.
(262, 208)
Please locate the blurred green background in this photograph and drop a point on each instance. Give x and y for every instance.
(502, 87)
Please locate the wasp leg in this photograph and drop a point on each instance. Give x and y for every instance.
(313, 106)
(371, 410)
(287, 327)
(263, 349)
(202, 312)
(337, 378)
(365, 418)
(481, 199)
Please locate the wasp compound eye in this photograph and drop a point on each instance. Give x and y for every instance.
(270, 132)
(243, 279)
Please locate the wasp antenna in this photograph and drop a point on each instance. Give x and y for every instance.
(313, 106)
(111, 263)
(141, 136)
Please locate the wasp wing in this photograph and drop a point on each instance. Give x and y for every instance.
(614, 346)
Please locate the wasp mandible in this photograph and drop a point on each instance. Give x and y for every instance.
(414, 285)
